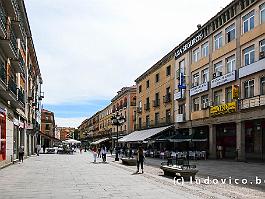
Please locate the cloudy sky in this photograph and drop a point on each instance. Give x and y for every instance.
(89, 49)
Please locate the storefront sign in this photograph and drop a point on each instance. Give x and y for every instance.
(198, 89)
(179, 95)
(224, 79)
(182, 49)
(223, 109)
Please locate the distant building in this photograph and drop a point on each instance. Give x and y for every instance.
(65, 132)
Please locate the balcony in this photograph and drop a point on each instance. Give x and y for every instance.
(167, 98)
(21, 96)
(18, 64)
(139, 109)
(252, 68)
(180, 118)
(2, 22)
(18, 27)
(156, 103)
(12, 86)
(9, 45)
(147, 107)
(3, 73)
(11, 7)
(256, 101)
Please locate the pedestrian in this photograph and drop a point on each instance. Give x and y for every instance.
(38, 149)
(94, 151)
(81, 149)
(104, 153)
(44, 147)
(140, 159)
(21, 153)
(111, 150)
(99, 150)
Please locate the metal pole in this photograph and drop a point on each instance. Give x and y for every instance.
(117, 157)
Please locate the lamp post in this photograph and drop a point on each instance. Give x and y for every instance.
(117, 120)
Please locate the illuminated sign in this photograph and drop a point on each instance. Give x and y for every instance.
(223, 109)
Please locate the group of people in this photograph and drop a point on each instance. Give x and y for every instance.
(100, 152)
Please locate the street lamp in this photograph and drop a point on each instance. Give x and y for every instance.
(117, 120)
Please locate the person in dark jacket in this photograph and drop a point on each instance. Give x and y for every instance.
(140, 159)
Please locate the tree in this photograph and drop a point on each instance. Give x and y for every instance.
(76, 135)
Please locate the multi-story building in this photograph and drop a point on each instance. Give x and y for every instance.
(221, 80)
(65, 132)
(20, 83)
(125, 104)
(154, 94)
(47, 136)
(105, 125)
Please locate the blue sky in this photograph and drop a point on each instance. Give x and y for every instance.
(89, 49)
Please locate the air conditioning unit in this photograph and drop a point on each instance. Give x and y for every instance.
(261, 55)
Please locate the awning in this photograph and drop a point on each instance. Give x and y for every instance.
(139, 136)
(196, 137)
(99, 141)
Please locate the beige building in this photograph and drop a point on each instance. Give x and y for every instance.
(220, 76)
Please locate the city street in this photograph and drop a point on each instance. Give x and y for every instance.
(75, 176)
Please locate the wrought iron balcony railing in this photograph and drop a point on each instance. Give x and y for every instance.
(3, 73)
(21, 96)
(12, 86)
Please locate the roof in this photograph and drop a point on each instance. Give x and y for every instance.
(138, 136)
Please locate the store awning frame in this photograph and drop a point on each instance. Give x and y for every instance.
(99, 141)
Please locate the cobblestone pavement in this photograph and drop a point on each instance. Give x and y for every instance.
(75, 176)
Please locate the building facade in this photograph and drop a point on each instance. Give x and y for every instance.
(220, 82)
(47, 136)
(20, 83)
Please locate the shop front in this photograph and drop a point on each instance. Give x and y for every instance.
(255, 140)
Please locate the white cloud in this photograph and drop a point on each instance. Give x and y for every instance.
(89, 49)
(69, 122)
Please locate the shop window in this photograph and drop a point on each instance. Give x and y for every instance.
(196, 55)
(262, 13)
(249, 89)
(140, 88)
(228, 94)
(218, 41)
(205, 75)
(230, 64)
(169, 70)
(205, 49)
(157, 77)
(248, 22)
(262, 86)
(249, 55)
(218, 97)
(230, 33)
(196, 104)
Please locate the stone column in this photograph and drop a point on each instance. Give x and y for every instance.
(240, 141)
(212, 141)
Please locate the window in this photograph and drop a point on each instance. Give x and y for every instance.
(217, 97)
(262, 13)
(249, 55)
(196, 104)
(249, 88)
(230, 33)
(181, 109)
(140, 122)
(140, 88)
(218, 67)
(157, 77)
(205, 49)
(167, 90)
(262, 45)
(168, 116)
(168, 70)
(262, 86)
(205, 100)
(248, 22)
(147, 84)
(196, 55)
(195, 79)
(156, 118)
(218, 41)
(147, 121)
(228, 94)
(230, 64)
(205, 75)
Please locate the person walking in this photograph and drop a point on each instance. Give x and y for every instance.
(104, 153)
(111, 150)
(140, 159)
(81, 149)
(21, 153)
(94, 151)
(38, 149)
(99, 152)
